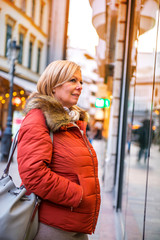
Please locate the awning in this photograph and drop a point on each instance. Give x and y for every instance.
(27, 85)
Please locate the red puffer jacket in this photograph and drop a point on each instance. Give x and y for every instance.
(64, 174)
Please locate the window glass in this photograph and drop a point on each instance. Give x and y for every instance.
(8, 36)
(21, 42)
(152, 218)
(141, 189)
(33, 8)
(38, 59)
(30, 54)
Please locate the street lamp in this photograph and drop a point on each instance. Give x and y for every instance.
(12, 55)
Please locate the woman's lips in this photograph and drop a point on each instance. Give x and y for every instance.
(76, 95)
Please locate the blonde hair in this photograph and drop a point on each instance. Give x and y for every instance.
(55, 74)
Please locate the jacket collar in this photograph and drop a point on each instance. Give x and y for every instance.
(54, 113)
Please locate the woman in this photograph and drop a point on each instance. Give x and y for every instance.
(62, 174)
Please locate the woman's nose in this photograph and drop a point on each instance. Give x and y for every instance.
(79, 85)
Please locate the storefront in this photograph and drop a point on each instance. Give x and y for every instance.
(137, 173)
(21, 91)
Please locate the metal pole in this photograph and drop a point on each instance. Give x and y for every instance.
(7, 135)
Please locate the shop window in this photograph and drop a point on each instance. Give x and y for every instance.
(140, 199)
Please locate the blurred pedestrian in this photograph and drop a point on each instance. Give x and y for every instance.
(89, 133)
(98, 127)
(63, 174)
(143, 139)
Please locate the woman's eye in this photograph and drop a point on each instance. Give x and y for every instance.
(76, 81)
(73, 80)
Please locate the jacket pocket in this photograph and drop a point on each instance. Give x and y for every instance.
(88, 203)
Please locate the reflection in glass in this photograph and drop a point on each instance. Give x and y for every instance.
(152, 219)
(141, 189)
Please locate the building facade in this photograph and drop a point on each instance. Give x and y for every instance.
(22, 21)
(130, 66)
(33, 25)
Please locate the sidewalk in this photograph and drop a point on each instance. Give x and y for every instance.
(105, 229)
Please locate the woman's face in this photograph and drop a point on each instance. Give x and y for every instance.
(68, 93)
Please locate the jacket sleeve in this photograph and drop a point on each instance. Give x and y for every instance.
(34, 155)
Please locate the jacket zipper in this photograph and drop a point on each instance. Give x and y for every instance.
(86, 143)
(95, 180)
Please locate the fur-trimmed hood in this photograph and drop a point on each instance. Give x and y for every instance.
(55, 115)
